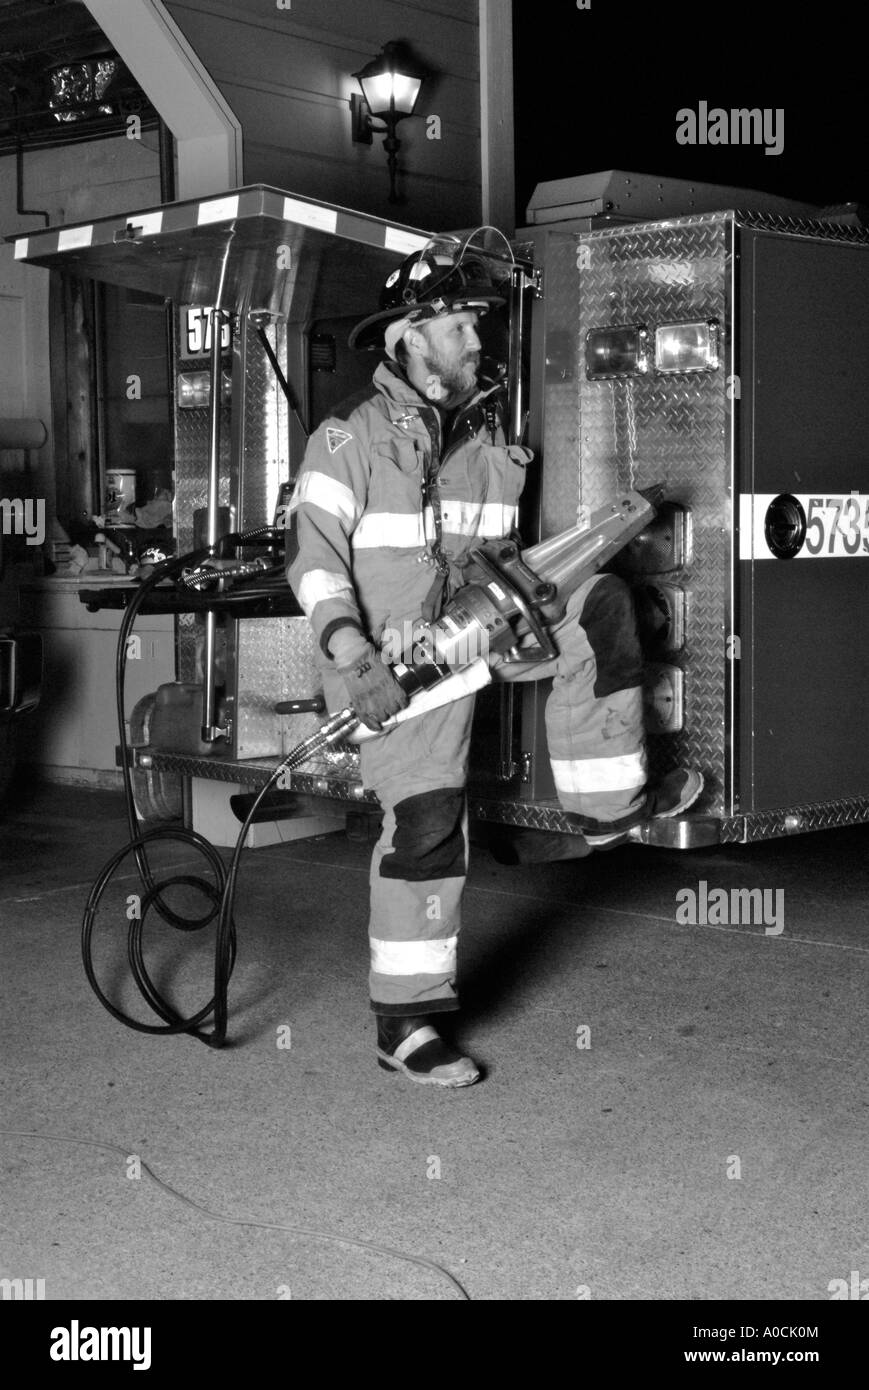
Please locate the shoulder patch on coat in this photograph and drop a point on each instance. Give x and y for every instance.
(335, 438)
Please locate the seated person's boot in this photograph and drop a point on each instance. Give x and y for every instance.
(675, 793)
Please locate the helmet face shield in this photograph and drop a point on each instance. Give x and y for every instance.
(440, 279)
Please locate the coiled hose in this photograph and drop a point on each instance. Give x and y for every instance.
(220, 889)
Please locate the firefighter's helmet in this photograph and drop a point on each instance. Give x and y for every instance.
(436, 280)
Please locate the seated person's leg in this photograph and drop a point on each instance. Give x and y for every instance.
(594, 715)
(595, 730)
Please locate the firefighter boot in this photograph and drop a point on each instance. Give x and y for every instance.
(413, 1046)
(671, 796)
(675, 793)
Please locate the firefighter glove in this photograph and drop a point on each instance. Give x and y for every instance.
(373, 690)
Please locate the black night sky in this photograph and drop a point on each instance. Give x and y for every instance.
(600, 88)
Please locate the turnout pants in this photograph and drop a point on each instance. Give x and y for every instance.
(594, 729)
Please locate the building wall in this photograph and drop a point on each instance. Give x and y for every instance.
(287, 74)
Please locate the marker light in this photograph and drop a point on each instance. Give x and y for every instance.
(193, 390)
(687, 347)
(614, 352)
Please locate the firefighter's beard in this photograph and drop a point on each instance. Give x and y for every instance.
(447, 382)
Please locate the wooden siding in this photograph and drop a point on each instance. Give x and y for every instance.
(287, 74)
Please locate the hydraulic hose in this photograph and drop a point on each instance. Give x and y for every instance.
(219, 889)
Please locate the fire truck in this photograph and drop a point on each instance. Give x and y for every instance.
(707, 341)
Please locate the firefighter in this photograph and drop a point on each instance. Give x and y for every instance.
(397, 486)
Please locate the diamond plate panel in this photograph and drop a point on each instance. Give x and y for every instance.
(270, 659)
(603, 436)
(561, 418)
(799, 226)
(217, 769)
(254, 460)
(693, 828)
(186, 648)
(325, 782)
(687, 832)
(191, 468)
(276, 661)
(530, 815)
(263, 678)
(261, 460)
(796, 820)
(191, 492)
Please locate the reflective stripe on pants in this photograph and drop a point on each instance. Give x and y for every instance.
(594, 713)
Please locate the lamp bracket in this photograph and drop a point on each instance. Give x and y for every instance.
(362, 121)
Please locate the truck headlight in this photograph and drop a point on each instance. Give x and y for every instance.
(686, 347)
(613, 352)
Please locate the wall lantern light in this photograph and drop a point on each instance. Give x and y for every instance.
(390, 87)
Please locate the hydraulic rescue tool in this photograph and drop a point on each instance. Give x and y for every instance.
(511, 595)
(506, 609)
